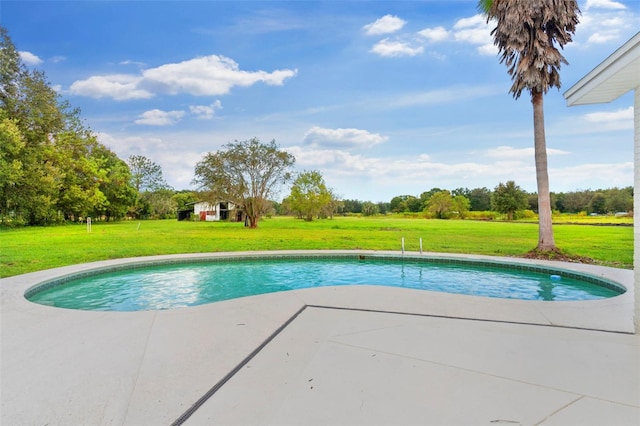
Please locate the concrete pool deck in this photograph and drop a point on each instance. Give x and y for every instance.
(334, 355)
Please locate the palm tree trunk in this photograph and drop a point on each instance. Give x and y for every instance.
(545, 230)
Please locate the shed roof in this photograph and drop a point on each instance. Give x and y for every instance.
(614, 77)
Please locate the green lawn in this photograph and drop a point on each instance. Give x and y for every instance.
(25, 250)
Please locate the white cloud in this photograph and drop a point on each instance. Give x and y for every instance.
(29, 58)
(592, 175)
(120, 87)
(130, 62)
(131, 145)
(369, 177)
(605, 21)
(473, 30)
(420, 171)
(524, 154)
(177, 163)
(479, 35)
(471, 22)
(209, 76)
(57, 59)
(379, 178)
(385, 25)
(444, 95)
(488, 50)
(203, 76)
(604, 4)
(343, 138)
(205, 112)
(609, 117)
(435, 34)
(390, 48)
(613, 21)
(595, 123)
(603, 37)
(156, 117)
(333, 160)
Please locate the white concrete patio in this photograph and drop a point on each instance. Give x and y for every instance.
(336, 355)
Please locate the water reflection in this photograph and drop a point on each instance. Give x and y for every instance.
(545, 291)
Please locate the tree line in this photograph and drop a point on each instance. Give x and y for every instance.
(507, 198)
(53, 168)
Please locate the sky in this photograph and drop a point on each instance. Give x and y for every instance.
(384, 98)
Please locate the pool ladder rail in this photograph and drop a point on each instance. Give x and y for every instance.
(403, 246)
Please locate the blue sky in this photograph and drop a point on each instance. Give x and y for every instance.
(384, 98)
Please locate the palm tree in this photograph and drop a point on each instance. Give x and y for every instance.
(526, 34)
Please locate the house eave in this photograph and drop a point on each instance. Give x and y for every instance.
(615, 76)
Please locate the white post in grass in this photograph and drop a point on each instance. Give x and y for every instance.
(88, 224)
(402, 245)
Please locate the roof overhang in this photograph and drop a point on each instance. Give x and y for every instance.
(615, 76)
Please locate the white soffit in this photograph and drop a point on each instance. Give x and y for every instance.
(614, 77)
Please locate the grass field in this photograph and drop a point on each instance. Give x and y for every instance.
(25, 250)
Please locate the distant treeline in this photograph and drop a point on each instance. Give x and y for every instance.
(600, 201)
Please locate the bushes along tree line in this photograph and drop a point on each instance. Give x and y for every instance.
(600, 201)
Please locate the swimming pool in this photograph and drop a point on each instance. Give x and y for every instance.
(181, 284)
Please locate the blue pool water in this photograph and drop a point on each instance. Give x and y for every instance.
(180, 285)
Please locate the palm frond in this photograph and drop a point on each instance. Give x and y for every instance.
(527, 33)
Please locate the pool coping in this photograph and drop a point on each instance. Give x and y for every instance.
(148, 367)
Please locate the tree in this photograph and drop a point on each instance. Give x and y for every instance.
(440, 204)
(413, 204)
(115, 184)
(161, 204)
(406, 203)
(526, 33)
(398, 204)
(309, 194)
(51, 167)
(574, 202)
(383, 207)
(461, 205)
(508, 198)
(11, 168)
(183, 198)
(351, 206)
(370, 209)
(35, 125)
(145, 174)
(479, 199)
(11, 68)
(329, 209)
(246, 174)
(619, 200)
(597, 204)
(150, 186)
(425, 196)
(39, 118)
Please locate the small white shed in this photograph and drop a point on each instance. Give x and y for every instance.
(212, 212)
